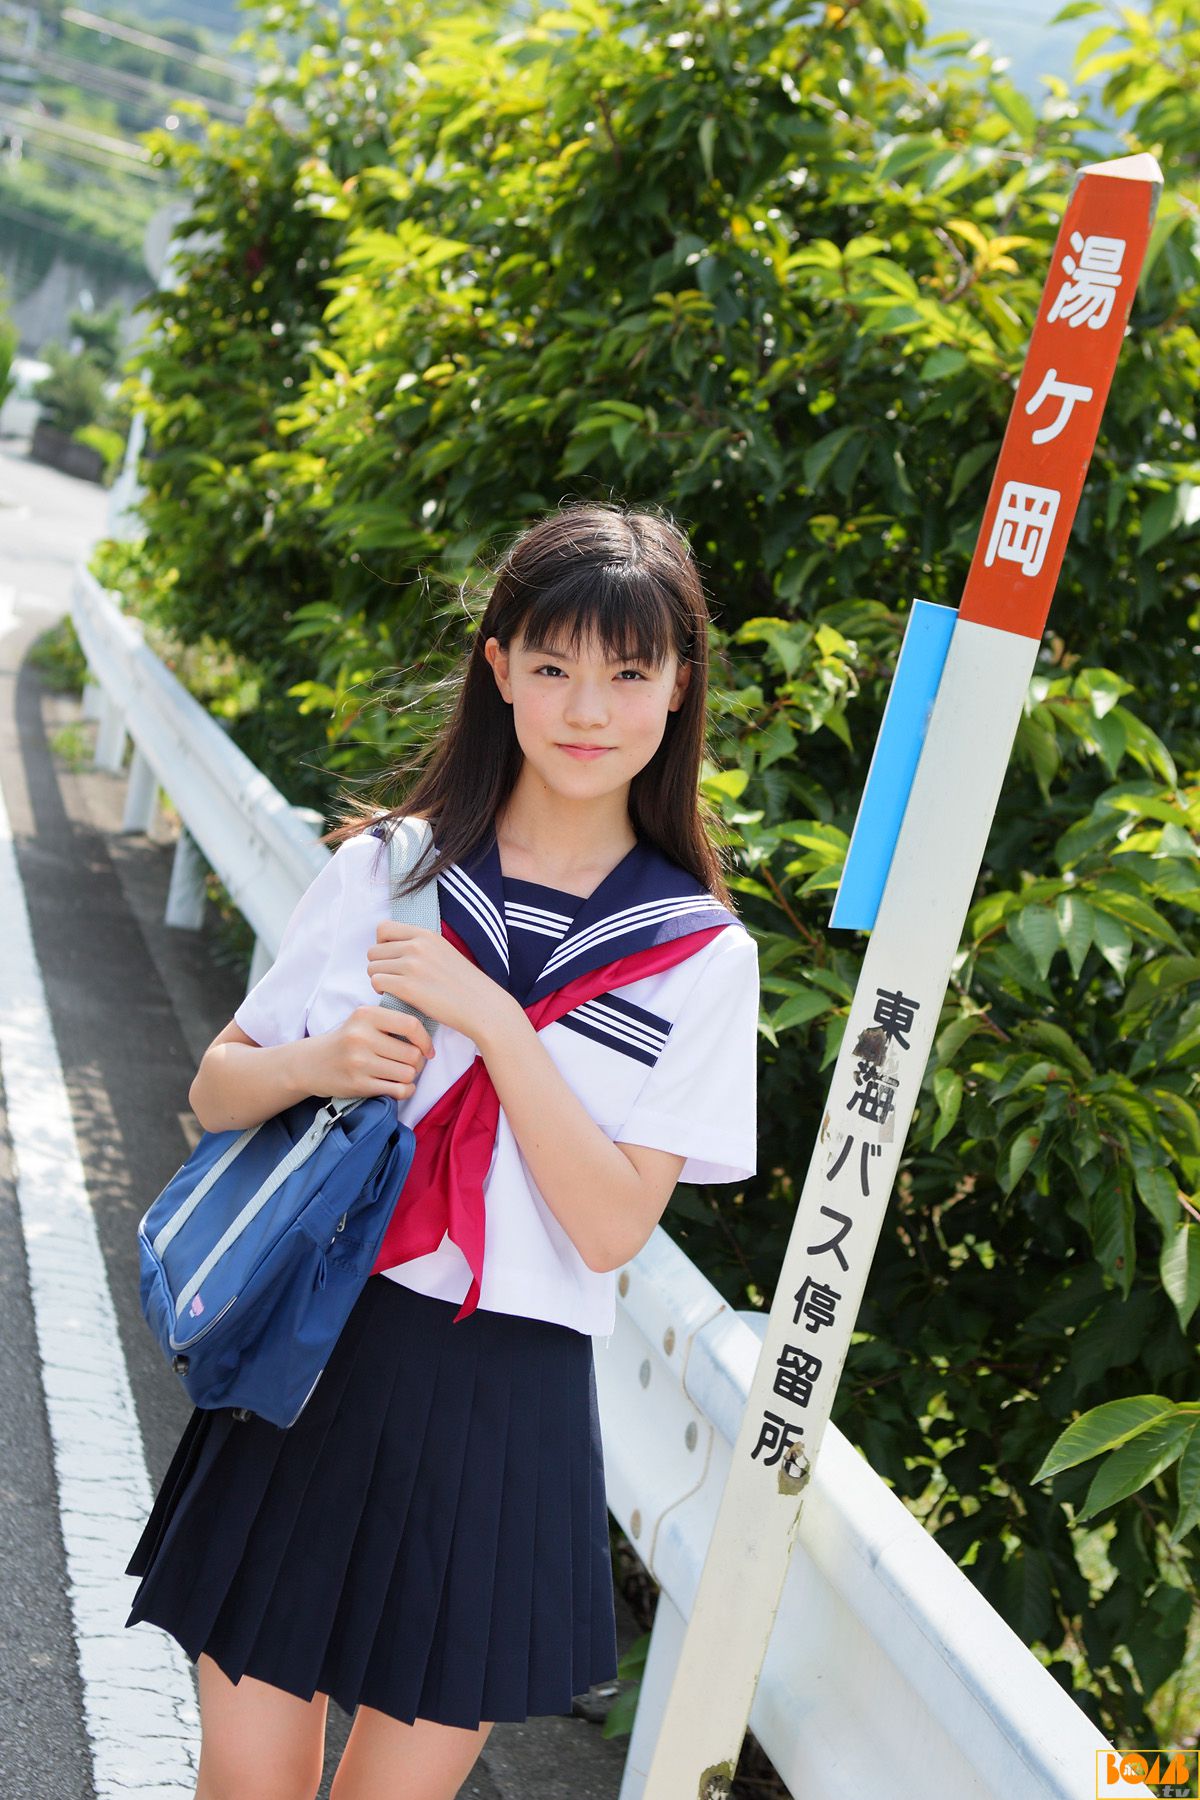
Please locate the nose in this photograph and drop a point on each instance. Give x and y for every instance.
(587, 702)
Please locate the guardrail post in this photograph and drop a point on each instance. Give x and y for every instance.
(141, 796)
(185, 896)
(93, 699)
(110, 739)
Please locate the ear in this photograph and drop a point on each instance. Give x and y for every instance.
(682, 678)
(498, 658)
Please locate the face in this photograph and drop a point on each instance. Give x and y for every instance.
(586, 724)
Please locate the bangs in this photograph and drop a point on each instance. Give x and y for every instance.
(619, 606)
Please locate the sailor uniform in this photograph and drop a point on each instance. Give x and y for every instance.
(430, 1537)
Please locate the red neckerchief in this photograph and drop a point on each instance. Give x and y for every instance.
(443, 1191)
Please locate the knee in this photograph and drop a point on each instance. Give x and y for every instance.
(249, 1771)
(251, 1783)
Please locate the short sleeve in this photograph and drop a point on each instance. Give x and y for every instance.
(275, 1011)
(701, 1097)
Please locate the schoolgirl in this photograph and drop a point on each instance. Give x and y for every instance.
(428, 1542)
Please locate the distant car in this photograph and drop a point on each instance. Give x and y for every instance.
(19, 413)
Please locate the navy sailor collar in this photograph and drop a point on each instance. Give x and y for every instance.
(646, 899)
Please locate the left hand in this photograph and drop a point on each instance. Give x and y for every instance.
(423, 968)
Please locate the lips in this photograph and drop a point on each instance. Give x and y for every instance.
(585, 751)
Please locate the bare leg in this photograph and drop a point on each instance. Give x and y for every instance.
(385, 1759)
(257, 1743)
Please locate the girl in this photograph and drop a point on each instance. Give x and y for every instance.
(428, 1542)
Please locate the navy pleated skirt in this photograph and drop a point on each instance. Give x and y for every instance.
(430, 1538)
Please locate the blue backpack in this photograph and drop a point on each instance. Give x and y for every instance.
(255, 1251)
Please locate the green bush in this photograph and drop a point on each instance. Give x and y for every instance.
(72, 395)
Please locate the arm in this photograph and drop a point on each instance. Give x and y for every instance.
(241, 1082)
(607, 1197)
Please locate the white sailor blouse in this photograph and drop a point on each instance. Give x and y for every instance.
(645, 994)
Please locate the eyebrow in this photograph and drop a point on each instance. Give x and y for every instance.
(561, 655)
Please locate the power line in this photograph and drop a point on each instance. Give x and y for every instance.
(67, 158)
(34, 121)
(93, 76)
(163, 46)
(91, 146)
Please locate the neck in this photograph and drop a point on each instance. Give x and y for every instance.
(546, 836)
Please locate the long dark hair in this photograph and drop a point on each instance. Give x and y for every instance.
(599, 568)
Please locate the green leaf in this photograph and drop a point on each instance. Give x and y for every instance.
(1041, 746)
(1112, 1228)
(1113, 941)
(1158, 1190)
(618, 1720)
(1131, 910)
(1187, 1478)
(952, 1039)
(819, 456)
(708, 137)
(942, 364)
(1165, 975)
(1103, 1428)
(1146, 746)
(1020, 1155)
(948, 1092)
(778, 740)
(800, 1009)
(1137, 1462)
(1076, 922)
(969, 465)
(1179, 1267)
(1169, 513)
(1035, 930)
(1014, 107)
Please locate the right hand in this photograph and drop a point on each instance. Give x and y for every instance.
(375, 1050)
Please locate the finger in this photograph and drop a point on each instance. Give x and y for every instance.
(392, 929)
(394, 1077)
(395, 1090)
(404, 1026)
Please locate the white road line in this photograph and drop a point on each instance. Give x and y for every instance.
(139, 1707)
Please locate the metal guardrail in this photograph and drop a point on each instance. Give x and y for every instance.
(887, 1672)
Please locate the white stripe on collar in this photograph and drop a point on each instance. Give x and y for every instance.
(631, 918)
(472, 897)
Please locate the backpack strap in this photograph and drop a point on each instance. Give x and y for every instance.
(407, 841)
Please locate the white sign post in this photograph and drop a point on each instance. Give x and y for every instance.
(894, 1013)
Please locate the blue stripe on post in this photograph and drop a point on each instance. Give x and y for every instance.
(893, 765)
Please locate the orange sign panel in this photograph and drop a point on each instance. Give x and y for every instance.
(1056, 415)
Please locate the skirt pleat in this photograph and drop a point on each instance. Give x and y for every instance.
(551, 1575)
(430, 1538)
(476, 1549)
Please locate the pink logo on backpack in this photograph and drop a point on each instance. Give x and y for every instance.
(197, 1307)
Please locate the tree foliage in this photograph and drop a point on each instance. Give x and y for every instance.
(771, 269)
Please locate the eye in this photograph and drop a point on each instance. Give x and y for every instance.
(553, 669)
